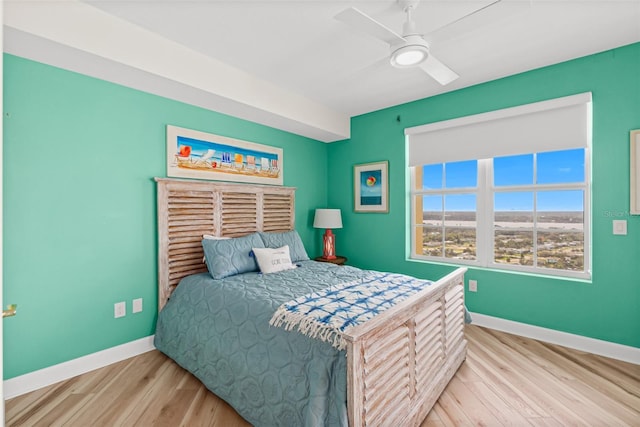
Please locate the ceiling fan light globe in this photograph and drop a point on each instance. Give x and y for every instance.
(409, 56)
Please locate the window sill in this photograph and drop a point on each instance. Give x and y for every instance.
(575, 277)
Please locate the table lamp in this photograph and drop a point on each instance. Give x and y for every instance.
(328, 219)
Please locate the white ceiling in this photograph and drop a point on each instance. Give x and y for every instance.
(289, 63)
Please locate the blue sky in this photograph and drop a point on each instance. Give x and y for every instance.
(552, 168)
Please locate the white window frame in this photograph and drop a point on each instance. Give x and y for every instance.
(441, 192)
(485, 224)
(552, 125)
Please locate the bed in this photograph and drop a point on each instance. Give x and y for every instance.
(392, 371)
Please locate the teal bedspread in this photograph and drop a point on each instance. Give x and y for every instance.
(219, 331)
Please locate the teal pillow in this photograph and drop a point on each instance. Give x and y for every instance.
(229, 257)
(288, 238)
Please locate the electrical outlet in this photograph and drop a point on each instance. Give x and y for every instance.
(620, 227)
(119, 309)
(137, 305)
(473, 286)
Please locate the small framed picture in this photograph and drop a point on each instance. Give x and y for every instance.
(371, 182)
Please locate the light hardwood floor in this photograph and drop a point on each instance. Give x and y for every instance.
(506, 381)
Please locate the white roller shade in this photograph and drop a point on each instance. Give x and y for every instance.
(558, 124)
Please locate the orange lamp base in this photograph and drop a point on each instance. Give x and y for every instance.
(329, 240)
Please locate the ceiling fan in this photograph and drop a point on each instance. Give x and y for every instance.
(411, 49)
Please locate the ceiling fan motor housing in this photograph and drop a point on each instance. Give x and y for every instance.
(413, 51)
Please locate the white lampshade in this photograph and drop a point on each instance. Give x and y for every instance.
(327, 218)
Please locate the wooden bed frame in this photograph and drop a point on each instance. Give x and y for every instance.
(398, 363)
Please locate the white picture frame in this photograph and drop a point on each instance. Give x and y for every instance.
(371, 187)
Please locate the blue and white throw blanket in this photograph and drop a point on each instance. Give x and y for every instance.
(328, 313)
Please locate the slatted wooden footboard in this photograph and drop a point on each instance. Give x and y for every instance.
(398, 363)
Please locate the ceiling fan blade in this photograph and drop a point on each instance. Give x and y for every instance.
(487, 15)
(440, 72)
(366, 24)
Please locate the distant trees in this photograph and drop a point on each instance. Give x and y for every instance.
(555, 248)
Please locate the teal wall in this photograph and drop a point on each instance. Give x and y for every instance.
(79, 206)
(608, 307)
(79, 203)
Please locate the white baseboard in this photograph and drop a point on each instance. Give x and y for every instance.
(577, 342)
(63, 371)
(41, 378)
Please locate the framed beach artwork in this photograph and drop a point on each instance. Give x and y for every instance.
(200, 155)
(371, 182)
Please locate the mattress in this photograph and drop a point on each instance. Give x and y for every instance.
(219, 331)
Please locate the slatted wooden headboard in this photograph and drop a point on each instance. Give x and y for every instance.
(189, 209)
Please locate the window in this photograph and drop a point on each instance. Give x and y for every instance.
(524, 211)
(445, 206)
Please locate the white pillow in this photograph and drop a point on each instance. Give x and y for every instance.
(271, 260)
(212, 237)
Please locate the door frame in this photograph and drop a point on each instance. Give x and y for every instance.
(1, 208)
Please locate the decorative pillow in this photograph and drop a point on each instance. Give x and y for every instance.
(228, 257)
(212, 237)
(271, 260)
(289, 238)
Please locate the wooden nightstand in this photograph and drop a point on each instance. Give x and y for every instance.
(339, 260)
